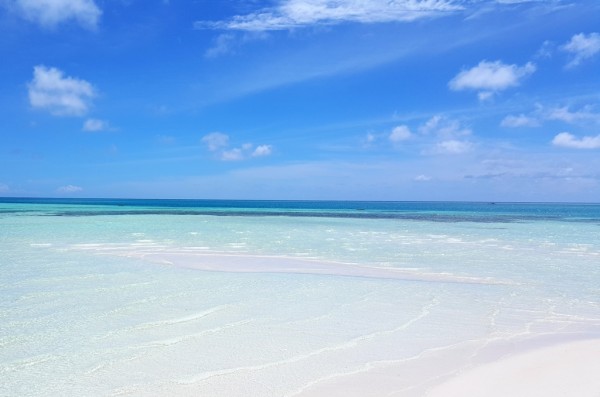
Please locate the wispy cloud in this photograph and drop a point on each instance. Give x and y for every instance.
(95, 125)
(491, 77)
(565, 139)
(586, 115)
(50, 13)
(290, 14)
(582, 47)
(422, 178)
(229, 43)
(215, 141)
(60, 95)
(520, 120)
(68, 189)
(235, 154)
(444, 127)
(165, 139)
(451, 146)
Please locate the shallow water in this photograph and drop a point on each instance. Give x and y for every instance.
(85, 311)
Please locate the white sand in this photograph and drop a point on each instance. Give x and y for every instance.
(562, 369)
(566, 369)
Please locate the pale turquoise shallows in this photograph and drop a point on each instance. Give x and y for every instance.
(84, 312)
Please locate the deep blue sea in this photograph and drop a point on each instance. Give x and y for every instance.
(429, 211)
(107, 297)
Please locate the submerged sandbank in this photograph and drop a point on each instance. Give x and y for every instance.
(247, 263)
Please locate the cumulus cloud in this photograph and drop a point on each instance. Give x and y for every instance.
(262, 150)
(290, 14)
(60, 95)
(219, 143)
(69, 189)
(520, 121)
(449, 134)
(399, 134)
(50, 13)
(582, 47)
(491, 77)
(565, 139)
(95, 125)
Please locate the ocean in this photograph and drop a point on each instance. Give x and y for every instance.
(108, 297)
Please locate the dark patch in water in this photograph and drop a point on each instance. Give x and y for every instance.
(479, 218)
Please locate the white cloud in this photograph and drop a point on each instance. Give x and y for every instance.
(229, 43)
(400, 133)
(582, 47)
(219, 142)
(586, 114)
(546, 50)
(290, 14)
(60, 95)
(234, 154)
(223, 44)
(520, 121)
(215, 141)
(485, 95)
(95, 125)
(422, 178)
(245, 151)
(4, 188)
(49, 13)
(491, 77)
(443, 127)
(449, 133)
(262, 150)
(515, 1)
(565, 139)
(452, 146)
(69, 189)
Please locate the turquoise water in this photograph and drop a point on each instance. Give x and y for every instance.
(83, 311)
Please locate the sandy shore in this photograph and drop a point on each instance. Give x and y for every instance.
(566, 369)
(559, 370)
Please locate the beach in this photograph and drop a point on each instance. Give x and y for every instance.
(315, 300)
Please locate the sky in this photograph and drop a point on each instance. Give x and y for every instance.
(475, 100)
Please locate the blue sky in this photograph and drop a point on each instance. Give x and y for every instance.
(493, 100)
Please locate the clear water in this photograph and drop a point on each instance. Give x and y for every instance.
(82, 313)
